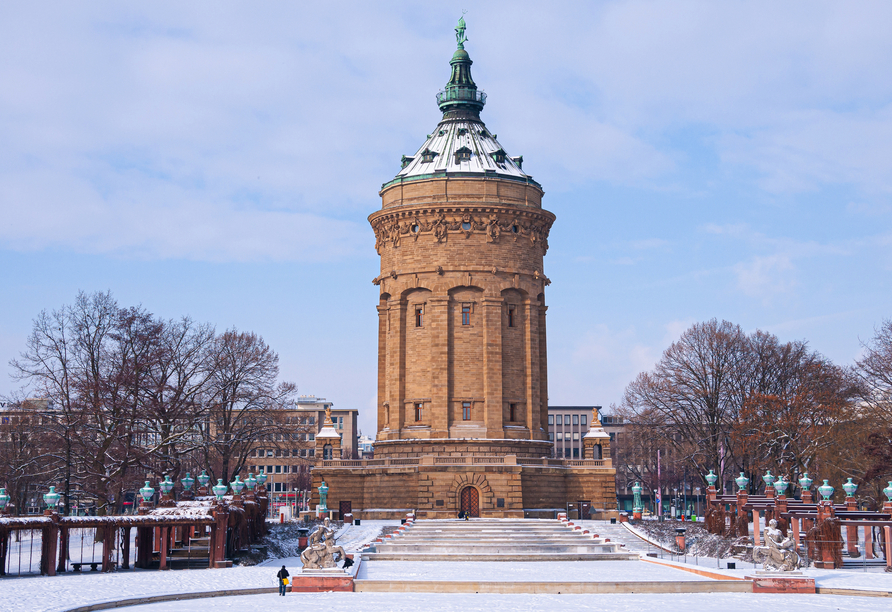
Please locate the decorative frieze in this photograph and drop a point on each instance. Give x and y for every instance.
(392, 228)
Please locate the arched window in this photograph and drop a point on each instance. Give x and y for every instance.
(326, 451)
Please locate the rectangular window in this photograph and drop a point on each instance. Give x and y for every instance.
(576, 419)
(582, 420)
(278, 487)
(419, 316)
(550, 437)
(312, 452)
(551, 419)
(419, 412)
(566, 419)
(269, 469)
(278, 469)
(465, 314)
(511, 315)
(278, 452)
(303, 452)
(269, 452)
(512, 408)
(312, 420)
(340, 422)
(312, 437)
(560, 436)
(466, 411)
(575, 435)
(576, 453)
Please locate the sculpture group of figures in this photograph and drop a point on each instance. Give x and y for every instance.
(322, 552)
(393, 231)
(779, 552)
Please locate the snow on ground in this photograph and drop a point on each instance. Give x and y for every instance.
(527, 571)
(471, 602)
(65, 591)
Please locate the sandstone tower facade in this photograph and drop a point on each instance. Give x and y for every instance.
(461, 335)
(462, 401)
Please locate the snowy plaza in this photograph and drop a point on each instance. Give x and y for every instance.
(452, 585)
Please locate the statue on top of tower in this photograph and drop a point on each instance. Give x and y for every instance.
(460, 32)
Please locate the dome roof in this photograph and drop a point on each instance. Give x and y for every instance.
(461, 145)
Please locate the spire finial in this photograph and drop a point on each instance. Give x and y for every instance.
(460, 37)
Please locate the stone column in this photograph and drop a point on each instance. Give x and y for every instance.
(63, 549)
(543, 379)
(437, 314)
(218, 537)
(532, 359)
(108, 542)
(396, 366)
(493, 408)
(165, 542)
(125, 548)
(383, 314)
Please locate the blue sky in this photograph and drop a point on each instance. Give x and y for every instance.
(219, 159)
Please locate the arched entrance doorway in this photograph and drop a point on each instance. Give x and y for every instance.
(470, 501)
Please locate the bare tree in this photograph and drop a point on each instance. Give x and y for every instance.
(692, 397)
(244, 401)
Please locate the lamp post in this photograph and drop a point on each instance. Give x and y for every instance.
(219, 490)
(146, 493)
(261, 479)
(51, 500)
(636, 503)
(203, 480)
(805, 484)
(187, 483)
(166, 487)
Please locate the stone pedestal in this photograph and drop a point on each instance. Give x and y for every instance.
(781, 582)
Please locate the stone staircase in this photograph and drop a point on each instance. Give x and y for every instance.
(494, 540)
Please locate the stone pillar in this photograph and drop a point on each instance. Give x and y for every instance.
(396, 366)
(756, 527)
(63, 549)
(438, 318)
(868, 543)
(794, 525)
(493, 408)
(144, 546)
(852, 530)
(108, 543)
(888, 531)
(532, 356)
(50, 546)
(542, 434)
(4, 547)
(165, 543)
(218, 537)
(125, 548)
(383, 314)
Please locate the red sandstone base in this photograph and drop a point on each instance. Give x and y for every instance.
(782, 584)
(320, 584)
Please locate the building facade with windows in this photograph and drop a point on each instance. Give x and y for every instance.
(462, 394)
(287, 461)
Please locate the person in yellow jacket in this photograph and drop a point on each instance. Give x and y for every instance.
(283, 580)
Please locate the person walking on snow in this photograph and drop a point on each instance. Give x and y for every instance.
(283, 580)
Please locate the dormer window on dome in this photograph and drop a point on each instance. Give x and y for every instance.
(406, 160)
(499, 156)
(427, 156)
(463, 154)
(462, 131)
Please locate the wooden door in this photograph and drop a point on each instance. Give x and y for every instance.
(470, 501)
(345, 507)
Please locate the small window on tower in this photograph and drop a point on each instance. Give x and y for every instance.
(462, 131)
(466, 411)
(512, 409)
(498, 156)
(427, 156)
(419, 316)
(511, 316)
(463, 154)
(419, 408)
(465, 314)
